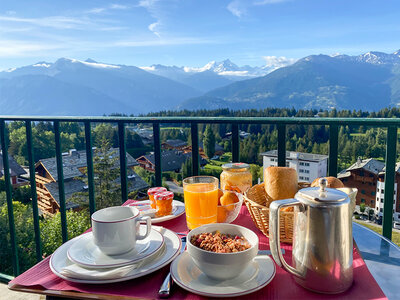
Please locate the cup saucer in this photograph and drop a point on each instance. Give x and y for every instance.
(257, 275)
(85, 253)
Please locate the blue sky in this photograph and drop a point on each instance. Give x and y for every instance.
(193, 32)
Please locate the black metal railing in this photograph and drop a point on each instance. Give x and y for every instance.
(334, 123)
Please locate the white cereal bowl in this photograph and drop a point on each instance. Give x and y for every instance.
(223, 266)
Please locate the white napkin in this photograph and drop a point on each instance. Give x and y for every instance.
(78, 272)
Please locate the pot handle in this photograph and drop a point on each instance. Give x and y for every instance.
(274, 233)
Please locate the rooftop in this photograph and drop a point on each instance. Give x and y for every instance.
(15, 168)
(297, 155)
(371, 165)
(74, 160)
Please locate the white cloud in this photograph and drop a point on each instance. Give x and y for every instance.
(59, 22)
(153, 28)
(118, 6)
(12, 48)
(164, 42)
(99, 10)
(147, 3)
(275, 62)
(237, 8)
(265, 2)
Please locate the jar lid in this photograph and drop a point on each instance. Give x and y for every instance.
(235, 167)
(155, 190)
(164, 195)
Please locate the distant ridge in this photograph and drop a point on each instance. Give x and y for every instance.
(370, 81)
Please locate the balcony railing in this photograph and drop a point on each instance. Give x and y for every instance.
(391, 141)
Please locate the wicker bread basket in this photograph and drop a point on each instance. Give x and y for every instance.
(255, 200)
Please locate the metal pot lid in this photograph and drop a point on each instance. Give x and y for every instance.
(321, 194)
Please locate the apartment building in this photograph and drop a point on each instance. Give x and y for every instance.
(308, 166)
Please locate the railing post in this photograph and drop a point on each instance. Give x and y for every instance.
(60, 179)
(89, 162)
(282, 145)
(235, 143)
(391, 142)
(195, 149)
(10, 208)
(35, 211)
(122, 161)
(157, 153)
(333, 150)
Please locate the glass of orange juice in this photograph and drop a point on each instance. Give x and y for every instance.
(201, 200)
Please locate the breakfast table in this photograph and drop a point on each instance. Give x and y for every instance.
(40, 279)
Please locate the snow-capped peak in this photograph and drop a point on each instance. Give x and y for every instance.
(89, 62)
(378, 58)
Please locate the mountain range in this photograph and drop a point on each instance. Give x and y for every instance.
(369, 81)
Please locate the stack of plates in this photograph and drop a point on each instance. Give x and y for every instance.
(80, 260)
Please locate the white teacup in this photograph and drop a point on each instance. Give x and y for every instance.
(116, 229)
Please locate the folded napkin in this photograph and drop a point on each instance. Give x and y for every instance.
(78, 272)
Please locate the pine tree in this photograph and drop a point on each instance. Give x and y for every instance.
(106, 172)
(209, 142)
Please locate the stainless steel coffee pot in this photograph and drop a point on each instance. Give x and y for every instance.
(322, 256)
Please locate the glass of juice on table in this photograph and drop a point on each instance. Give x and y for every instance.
(201, 200)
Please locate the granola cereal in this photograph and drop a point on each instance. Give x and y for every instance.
(220, 242)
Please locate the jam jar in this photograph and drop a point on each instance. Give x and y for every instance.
(164, 203)
(152, 191)
(236, 177)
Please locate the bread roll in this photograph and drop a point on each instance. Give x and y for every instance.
(280, 182)
(331, 182)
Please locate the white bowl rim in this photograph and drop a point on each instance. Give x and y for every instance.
(189, 235)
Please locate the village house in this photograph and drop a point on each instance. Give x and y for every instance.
(171, 160)
(16, 171)
(173, 145)
(368, 176)
(74, 165)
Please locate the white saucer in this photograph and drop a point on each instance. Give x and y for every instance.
(85, 253)
(171, 248)
(178, 208)
(257, 275)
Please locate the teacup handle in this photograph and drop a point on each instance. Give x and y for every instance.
(148, 227)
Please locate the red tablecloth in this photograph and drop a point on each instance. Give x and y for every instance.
(281, 287)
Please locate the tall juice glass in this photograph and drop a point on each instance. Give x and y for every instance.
(201, 200)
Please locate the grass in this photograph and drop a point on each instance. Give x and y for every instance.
(395, 234)
(213, 167)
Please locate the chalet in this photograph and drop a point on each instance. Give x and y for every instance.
(15, 171)
(219, 150)
(146, 135)
(173, 145)
(368, 176)
(74, 165)
(363, 175)
(171, 160)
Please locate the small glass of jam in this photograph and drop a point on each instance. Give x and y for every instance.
(164, 203)
(152, 191)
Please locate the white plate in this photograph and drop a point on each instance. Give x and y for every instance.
(178, 208)
(171, 248)
(257, 275)
(85, 253)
